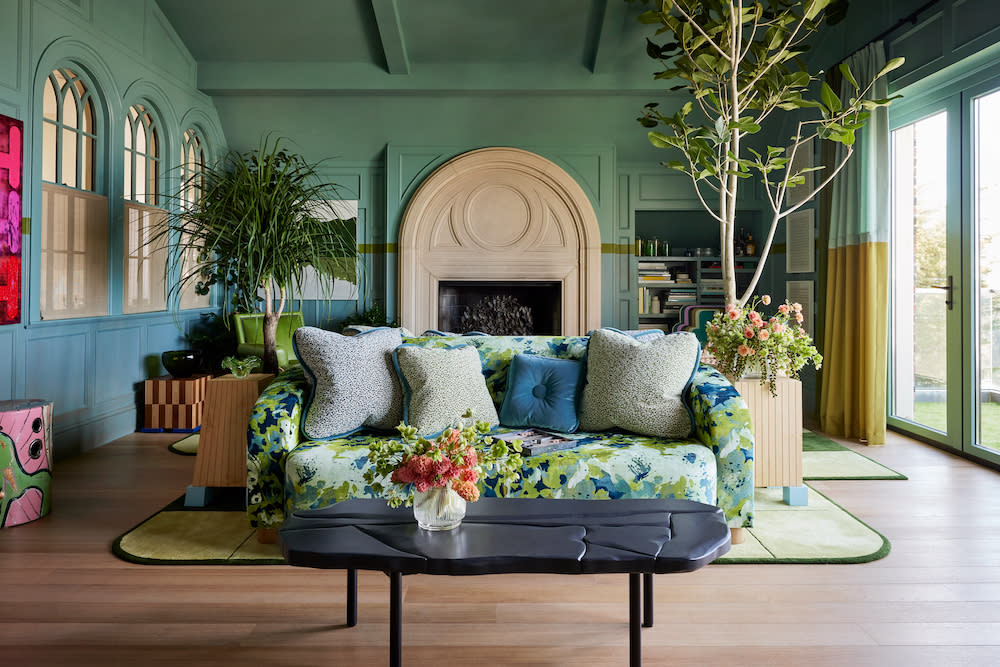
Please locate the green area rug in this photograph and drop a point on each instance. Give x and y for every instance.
(823, 458)
(187, 446)
(820, 532)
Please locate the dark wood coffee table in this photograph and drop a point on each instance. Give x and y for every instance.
(501, 536)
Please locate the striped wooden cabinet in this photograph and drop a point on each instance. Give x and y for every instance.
(777, 427)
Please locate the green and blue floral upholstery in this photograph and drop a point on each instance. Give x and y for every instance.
(285, 473)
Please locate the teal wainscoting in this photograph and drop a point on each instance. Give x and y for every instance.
(93, 371)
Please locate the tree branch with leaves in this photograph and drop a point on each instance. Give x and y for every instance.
(741, 62)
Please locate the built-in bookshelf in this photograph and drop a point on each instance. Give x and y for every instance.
(668, 283)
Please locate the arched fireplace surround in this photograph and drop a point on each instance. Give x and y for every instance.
(500, 214)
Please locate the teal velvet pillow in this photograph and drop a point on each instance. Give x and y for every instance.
(638, 384)
(353, 381)
(543, 392)
(440, 384)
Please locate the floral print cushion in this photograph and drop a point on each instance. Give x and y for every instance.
(605, 465)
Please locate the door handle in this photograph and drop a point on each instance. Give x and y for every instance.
(950, 288)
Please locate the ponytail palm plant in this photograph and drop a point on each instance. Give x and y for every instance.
(259, 219)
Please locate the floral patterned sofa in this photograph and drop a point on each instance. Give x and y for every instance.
(285, 473)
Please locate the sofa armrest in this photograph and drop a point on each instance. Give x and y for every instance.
(722, 422)
(272, 433)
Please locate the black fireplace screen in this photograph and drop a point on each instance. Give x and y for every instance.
(500, 308)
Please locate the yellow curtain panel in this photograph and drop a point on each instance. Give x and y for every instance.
(856, 312)
(853, 402)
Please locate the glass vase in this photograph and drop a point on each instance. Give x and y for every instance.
(438, 508)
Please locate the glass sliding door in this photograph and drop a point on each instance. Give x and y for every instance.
(986, 274)
(945, 295)
(923, 283)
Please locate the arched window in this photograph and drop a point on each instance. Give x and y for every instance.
(142, 156)
(144, 280)
(74, 244)
(192, 166)
(192, 182)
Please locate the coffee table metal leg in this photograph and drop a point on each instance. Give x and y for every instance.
(647, 600)
(634, 630)
(352, 598)
(395, 619)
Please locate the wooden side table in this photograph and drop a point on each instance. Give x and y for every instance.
(222, 446)
(777, 428)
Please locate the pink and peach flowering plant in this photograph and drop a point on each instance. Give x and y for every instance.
(742, 339)
(458, 457)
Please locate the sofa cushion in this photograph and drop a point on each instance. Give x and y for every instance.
(496, 353)
(638, 384)
(353, 382)
(543, 392)
(603, 466)
(440, 384)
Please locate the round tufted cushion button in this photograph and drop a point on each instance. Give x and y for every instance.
(539, 391)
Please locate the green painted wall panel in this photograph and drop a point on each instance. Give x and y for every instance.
(123, 21)
(11, 62)
(165, 48)
(356, 128)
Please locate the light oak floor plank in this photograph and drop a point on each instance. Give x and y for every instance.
(935, 600)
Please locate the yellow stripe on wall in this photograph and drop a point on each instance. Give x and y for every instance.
(617, 249)
(376, 248)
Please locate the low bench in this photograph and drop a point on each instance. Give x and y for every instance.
(503, 536)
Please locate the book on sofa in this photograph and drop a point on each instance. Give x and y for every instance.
(536, 441)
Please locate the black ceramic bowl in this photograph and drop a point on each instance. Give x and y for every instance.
(181, 363)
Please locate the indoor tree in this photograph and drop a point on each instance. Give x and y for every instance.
(258, 220)
(740, 61)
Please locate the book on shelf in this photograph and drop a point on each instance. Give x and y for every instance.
(539, 441)
(657, 266)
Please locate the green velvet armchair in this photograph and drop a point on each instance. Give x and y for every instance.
(250, 335)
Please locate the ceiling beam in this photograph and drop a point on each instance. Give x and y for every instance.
(390, 31)
(608, 37)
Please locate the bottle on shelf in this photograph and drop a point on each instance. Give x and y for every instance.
(750, 248)
(654, 305)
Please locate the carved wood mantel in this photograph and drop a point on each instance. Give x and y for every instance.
(500, 214)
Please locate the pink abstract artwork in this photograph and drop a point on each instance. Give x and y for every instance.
(11, 161)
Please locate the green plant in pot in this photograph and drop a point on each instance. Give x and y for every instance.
(261, 218)
(740, 61)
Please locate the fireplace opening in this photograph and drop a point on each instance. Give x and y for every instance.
(501, 308)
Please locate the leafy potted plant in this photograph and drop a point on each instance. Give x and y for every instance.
(259, 220)
(740, 62)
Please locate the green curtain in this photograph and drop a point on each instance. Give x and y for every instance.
(856, 313)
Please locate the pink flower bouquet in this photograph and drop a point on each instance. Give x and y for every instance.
(458, 457)
(742, 340)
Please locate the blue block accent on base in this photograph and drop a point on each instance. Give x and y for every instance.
(795, 496)
(197, 496)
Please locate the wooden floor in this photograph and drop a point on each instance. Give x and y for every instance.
(935, 600)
